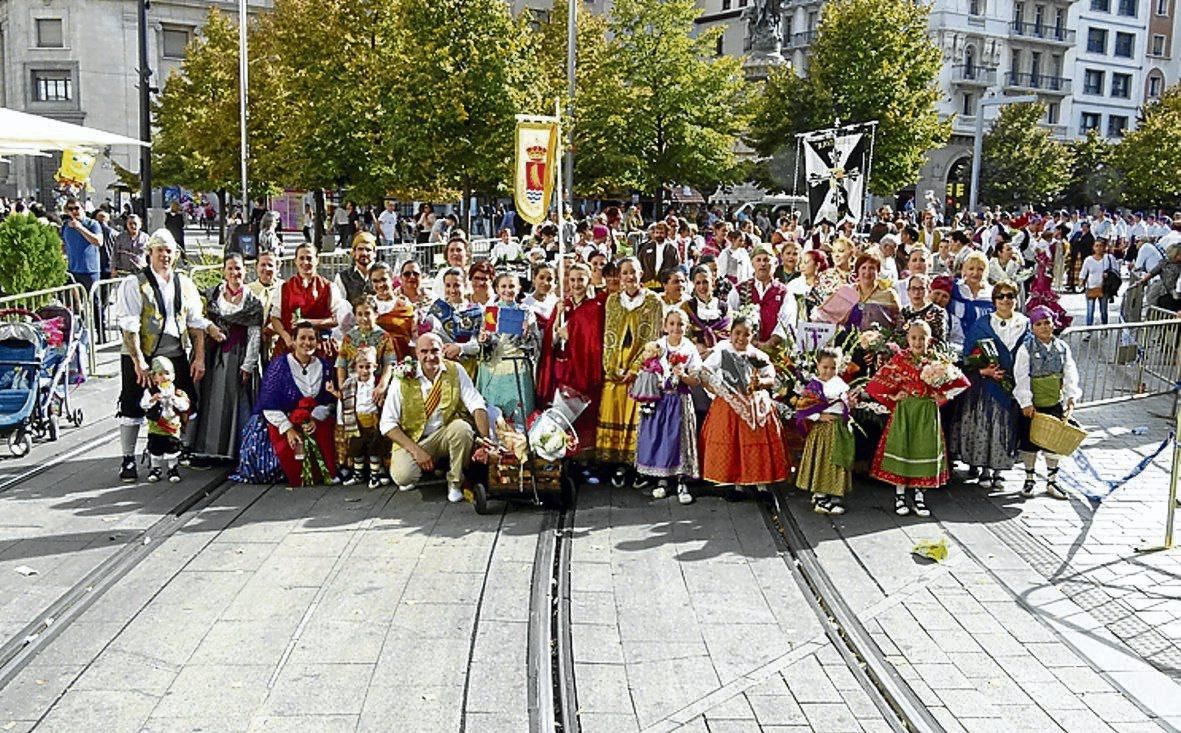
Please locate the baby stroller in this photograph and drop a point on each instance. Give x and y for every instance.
(36, 350)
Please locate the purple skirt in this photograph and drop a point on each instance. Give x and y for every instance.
(667, 442)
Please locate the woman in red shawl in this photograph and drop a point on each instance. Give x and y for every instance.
(578, 351)
(309, 297)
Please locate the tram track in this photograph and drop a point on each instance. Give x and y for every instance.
(898, 703)
(553, 704)
(10, 482)
(20, 650)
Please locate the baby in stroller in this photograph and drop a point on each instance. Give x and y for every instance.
(166, 409)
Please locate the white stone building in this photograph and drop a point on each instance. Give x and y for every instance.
(76, 61)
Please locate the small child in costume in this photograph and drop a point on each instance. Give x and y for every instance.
(828, 449)
(1046, 378)
(648, 387)
(364, 334)
(166, 409)
(360, 415)
(914, 384)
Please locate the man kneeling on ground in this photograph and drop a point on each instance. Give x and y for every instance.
(428, 415)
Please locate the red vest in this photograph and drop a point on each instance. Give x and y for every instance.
(769, 304)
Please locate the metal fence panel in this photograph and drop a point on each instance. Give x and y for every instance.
(74, 298)
(1125, 361)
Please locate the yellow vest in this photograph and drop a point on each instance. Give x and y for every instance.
(151, 320)
(413, 418)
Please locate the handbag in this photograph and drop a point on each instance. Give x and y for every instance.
(1111, 282)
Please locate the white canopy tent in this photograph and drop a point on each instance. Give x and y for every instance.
(23, 133)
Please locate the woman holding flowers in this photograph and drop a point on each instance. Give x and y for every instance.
(296, 400)
(742, 439)
(985, 434)
(914, 384)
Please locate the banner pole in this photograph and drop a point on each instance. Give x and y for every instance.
(1171, 510)
(561, 197)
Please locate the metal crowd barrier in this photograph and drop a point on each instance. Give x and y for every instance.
(1126, 361)
(74, 298)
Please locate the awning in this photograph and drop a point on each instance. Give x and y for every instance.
(684, 195)
(26, 134)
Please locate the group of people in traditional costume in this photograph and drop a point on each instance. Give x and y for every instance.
(739, 358)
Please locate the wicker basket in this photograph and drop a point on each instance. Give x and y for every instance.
(1054, 435)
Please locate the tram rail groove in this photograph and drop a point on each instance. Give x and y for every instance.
(19, 651)
(552, 700)
(68, 455)
(900, 706)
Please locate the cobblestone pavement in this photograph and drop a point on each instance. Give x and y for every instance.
(318, 610)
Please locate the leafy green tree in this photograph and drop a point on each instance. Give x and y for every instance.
(331, 62)
(1150, 156)
(30, 255)
(1093, 177)
(1021, 163)
(666, 110)
(196, 144)
(460, 69)
(872, 60)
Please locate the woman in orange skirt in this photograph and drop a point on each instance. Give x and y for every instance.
(742, 439)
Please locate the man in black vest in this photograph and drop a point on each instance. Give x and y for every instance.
(354, 282)
(657, 256)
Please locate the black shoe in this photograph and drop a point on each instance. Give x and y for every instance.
(186, 458)
(127, 472)
(174, 475)
(200, 463)
(737, 493)
(154, 475)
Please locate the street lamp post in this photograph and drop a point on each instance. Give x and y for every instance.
(571, 56)
(978, 141)
(243, 82)
(145, 111)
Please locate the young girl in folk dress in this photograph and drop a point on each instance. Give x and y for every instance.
(505, 376)
(742, 439)
(667, 444)
(911, 451)
(828, 449)
(1047, 381)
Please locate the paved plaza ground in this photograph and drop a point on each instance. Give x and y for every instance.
(343, 609)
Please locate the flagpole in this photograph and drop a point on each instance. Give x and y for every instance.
(560, 197)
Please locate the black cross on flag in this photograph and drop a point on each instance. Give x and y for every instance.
(836, 162)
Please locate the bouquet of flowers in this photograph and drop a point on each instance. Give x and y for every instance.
(309, 454)
(407, 368)
(940, 373)
(985, 354)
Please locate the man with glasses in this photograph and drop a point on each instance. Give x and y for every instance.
(83, 238)
(160, 314)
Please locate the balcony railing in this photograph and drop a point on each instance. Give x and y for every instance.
(803, 38)
(1042, 32)
(1038, 82)
(975, 75)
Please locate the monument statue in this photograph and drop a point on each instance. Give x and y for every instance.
(764, 29)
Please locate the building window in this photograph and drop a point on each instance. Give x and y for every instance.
(1090, 121)
(1154, 84)
(1102, 6)
(1129, 8)
(49, 33)
(1162, 7)
(1096, 40)
(1158, 45)
(1018, 12)
(1125, 44)
(175, 40)
(1121, 85)
(1116, 124)
(52, 86)
(742, 3)
(1052, 113)
(718, 47)
(726, 4)
(1039, 17)
(968, 109)
(1093, 82)
(1014, 63)
(976, 7)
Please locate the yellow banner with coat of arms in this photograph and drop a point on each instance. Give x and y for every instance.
(533, 179)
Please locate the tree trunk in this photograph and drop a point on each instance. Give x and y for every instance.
(318, 218)
(222, 202)
(658, 204)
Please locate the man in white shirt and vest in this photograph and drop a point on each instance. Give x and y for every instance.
(160, 314)
(426, 416)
